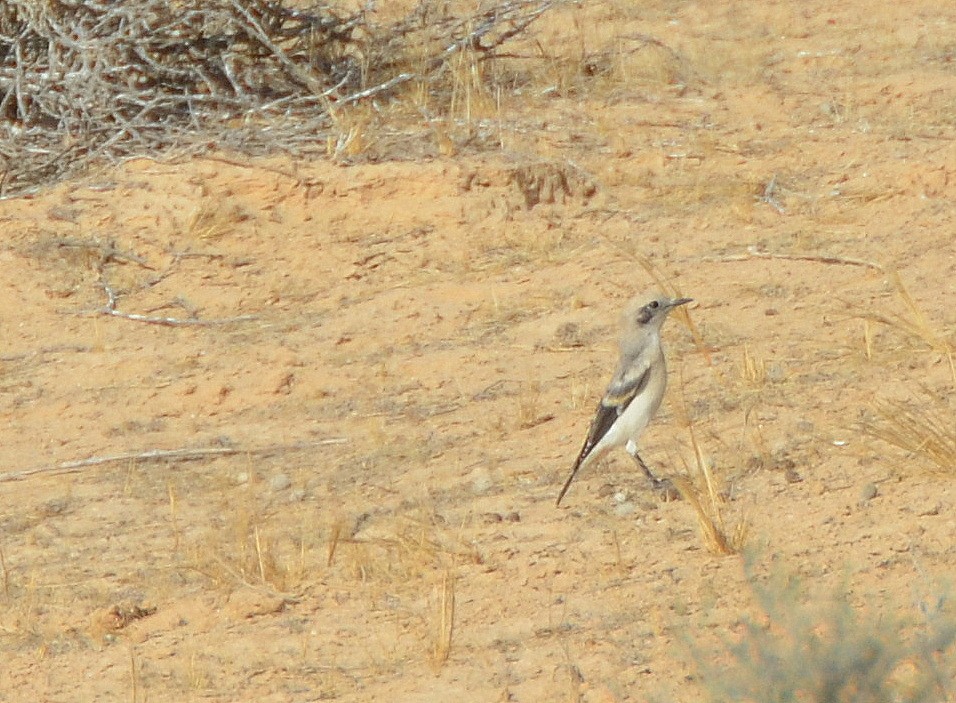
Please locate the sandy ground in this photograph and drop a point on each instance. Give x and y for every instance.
(395, 364)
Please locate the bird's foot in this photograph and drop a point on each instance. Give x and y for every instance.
(665, 489)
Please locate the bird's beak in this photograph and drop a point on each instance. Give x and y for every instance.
(680, 301)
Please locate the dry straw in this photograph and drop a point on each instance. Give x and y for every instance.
(700, 489)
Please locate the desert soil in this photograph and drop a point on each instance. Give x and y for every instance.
(378, 371)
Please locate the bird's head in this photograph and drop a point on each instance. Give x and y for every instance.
(653, 312)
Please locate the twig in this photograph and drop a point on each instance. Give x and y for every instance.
(520, 25)
(756, 254)
(307, 79)
(107, 251)
(369, 92)
(769, 195)
(177, 321)
(184, 454)
(110, 309)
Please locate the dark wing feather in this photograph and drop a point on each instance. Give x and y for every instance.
(618, 397)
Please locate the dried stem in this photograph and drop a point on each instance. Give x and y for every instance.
(183, 454)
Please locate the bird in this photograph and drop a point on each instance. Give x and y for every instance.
(635, 391)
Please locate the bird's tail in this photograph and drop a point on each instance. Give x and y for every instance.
(574, 472)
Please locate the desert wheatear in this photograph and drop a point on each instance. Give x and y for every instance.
(635, 391)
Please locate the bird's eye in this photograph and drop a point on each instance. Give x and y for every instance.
(653, 305)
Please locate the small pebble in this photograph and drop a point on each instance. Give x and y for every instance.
(624, 509)
(480, 481)
(868, 492)
(280, 482)
(776, 372)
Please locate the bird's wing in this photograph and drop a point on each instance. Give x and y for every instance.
(624, 388)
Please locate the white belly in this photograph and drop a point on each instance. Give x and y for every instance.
(626, 431)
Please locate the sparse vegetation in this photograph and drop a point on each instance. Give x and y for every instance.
(922, 426)
(821, 650)
(213, 73)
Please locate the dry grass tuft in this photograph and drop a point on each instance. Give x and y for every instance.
(529, 413)
(914, 324)
(926, 431)
(699, 489)
(409, 547)
(349, 135)
(753, 370)
(258, 560)
(702, 495)
(214, 219)
(425, 539)
(923, 427)
(252, 548)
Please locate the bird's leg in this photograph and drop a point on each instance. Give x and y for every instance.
(667, 490)
(632, 450)
(640, 462)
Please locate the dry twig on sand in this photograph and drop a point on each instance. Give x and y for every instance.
(183, 454)
(110, 309)
(109, 253)
(753, 253)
